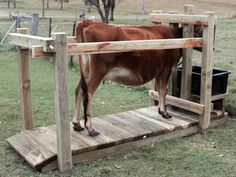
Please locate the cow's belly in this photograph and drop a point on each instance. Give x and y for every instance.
(125, 76)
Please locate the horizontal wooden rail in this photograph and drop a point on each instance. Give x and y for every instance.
(134, 45)
(180, 103)
(71, 39)
(123, 46)
(179, 18)
(28, 41)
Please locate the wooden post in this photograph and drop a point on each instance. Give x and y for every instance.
(25, 88)
(50, 27)
(18, 22)
(186, 76)
(206, 72)
(172, 83)
(35, 21)
(60, 59)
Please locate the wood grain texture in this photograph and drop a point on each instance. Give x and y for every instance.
(28, 41)
(179, 18)
(179, 102)
(186, 74)
(127, 46)
(120, 133)
(61, 102)
(206, 72)
(25, 84)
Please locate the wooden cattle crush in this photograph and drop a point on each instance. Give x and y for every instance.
(58, 146)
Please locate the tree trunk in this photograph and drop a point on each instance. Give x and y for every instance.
(112, 7)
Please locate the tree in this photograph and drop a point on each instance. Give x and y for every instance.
(104, 8)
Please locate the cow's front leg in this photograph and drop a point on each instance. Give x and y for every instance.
(162, 90)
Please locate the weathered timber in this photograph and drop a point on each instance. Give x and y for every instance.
(25, 84)
(180, 103)
(127, 46)
(39, 145)
(61, 102)
(206, 72)
(179, 18)
(125, 148)
(186, 74)
(28, 41)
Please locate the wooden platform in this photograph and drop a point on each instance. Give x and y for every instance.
(120, 133)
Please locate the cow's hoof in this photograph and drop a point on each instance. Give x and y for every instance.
(77, 127)
(93, 133)
(165, 115)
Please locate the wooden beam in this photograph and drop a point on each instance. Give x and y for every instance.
(121, 46)
(125, 148)
(186, 74)
(37, 52)
(180, 103)
(61, 102)
(25, 84)
(206, 72)
(127, 46)
(28, 41)
(214, 97)
(179, 18)
(71, 39)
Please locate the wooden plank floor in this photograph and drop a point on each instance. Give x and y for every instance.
(38, 146)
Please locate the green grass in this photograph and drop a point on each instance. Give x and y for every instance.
(210, 155)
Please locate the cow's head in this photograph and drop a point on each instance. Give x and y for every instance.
(198, 31)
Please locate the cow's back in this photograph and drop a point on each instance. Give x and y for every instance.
(144, 65)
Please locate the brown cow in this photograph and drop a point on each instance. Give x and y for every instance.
(130, 68)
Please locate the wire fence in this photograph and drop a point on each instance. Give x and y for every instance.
(37, 26)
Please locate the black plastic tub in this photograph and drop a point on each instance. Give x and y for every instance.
(219, 80)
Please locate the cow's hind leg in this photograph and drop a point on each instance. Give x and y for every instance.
(95, 77)
(162, 90)
(78, 100)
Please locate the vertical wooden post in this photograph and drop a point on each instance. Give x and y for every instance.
(18, 22)
(60, 59)
(186, 76)
(172, 83)
(206, 72)
(154, 81)
(25, 88)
